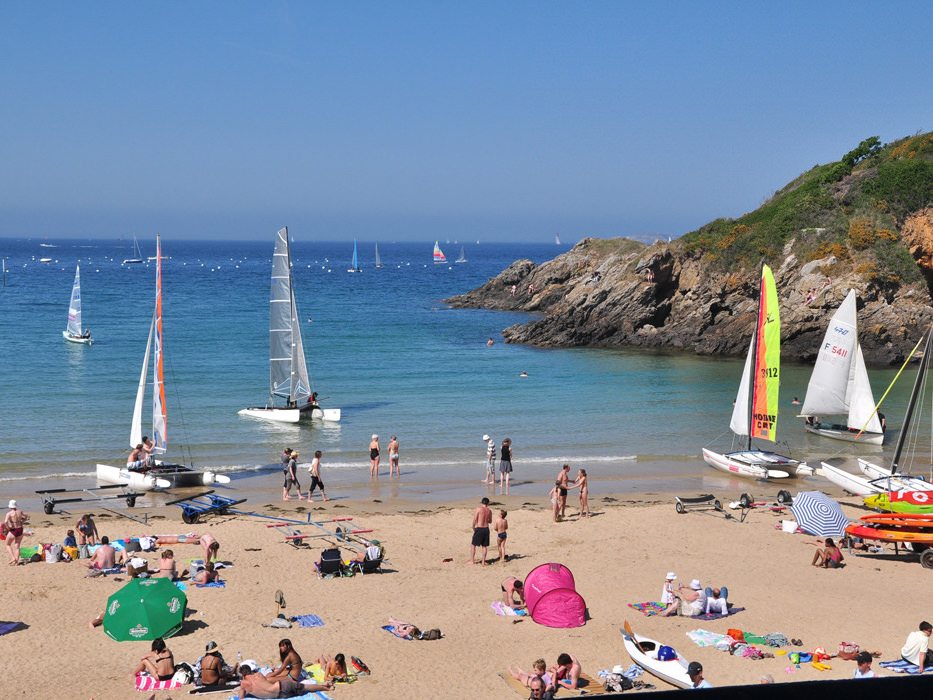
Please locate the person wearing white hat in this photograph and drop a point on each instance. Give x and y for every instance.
(669, 599)
(490, 460)
(13, 526)
(694, 599)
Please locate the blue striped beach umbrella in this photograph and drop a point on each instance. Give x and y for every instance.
(818, 514)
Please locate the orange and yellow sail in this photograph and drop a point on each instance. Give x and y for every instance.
(765, 393)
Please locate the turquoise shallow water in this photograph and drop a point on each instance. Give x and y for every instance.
(382, 346)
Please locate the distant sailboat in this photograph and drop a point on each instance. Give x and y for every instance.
(462, 257)
(356, 262)
(557, 238)
(378, 259)
(74, 333)
(439, 256)
(137, 253)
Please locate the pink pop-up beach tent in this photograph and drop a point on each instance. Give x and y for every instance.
(552, 599)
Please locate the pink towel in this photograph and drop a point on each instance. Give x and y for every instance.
(146, 683)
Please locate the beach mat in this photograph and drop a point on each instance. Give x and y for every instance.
(308, 621)
(8, 626)
(716, 616)
(391, 630)
(316, 695)
(589, 686)
(901, 666)
(212, 584)
(145, 684)
(649, 609)
(503, 609)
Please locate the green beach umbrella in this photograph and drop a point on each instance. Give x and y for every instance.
(145, 608)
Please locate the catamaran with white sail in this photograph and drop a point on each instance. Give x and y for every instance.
(288, 372)
(839, 384)
(74, 333)
(439, 256)
(137, 254)
(146, 475)
(759, 418)
(378, 259)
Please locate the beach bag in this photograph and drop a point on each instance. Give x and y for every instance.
(431, 634)
(147, 544)
(70, 552)
(184, 673)
(132, 547)
(361, 668)
(53, 553)
(617, 683)
(737, 635)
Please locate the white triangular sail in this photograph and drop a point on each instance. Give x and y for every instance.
(739, 422)
(288, 373)
(839, 383)
(74, 309)
(378, 259)
(136, 429)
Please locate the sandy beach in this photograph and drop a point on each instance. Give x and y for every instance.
(618, 556)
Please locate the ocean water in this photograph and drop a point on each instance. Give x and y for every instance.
(381, 345)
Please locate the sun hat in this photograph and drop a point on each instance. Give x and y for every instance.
(486, 438)
(212, 647)
(695, 584)
(694, 667)
(12, 504)
(671, 576)
(620, 669)
(375, 437)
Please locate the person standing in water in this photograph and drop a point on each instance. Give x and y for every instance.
(505, 465)
(374, 457)
(393, 457)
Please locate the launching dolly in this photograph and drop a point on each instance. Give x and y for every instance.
(346, 534)
(193, 507)
(52, 497)
(706, 501)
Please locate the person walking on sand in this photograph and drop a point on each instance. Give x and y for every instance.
(315, 471)
(563, 484)
(505, 465)
(482, 516)
(501, 528)
(393, 457)
(291, 478)
(374, 457)
(490, 460)
(13, 524)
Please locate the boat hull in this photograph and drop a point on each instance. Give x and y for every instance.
(903, 502)
(162, 476)
(292, 415)
(893, 534)
(852, 483)
(844, 433)
(755, 464)
(77, 339)
(673, 671)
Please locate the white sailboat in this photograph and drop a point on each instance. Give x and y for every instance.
(378, 259)
(74, 333)
(355, 267)
(463, 257)
(439, 256)
(557, 238)
(839, 383)
(869, 486)
(158, 474)
(759, 418)
(288, 371)
(137, 253)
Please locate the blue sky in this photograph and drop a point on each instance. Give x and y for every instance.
(419, 120)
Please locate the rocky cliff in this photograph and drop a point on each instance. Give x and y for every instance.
(614, 293)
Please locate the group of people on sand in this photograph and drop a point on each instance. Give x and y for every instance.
(544, 681)
(692, 600)
(290, 469)
(106, 557)
(505, 463)
(562, 485)
(285, 680)
(375, 457)
(482, 518)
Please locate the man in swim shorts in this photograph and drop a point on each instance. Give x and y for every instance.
(255, 685)
(481, 519)
(562, 479)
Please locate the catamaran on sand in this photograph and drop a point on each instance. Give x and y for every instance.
(155, 474)
(759, 418)
(290, 397)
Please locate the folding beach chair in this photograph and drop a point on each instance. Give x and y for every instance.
(331, 563)
(372, 563)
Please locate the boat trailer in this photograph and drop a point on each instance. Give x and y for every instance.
(206, 503)
(52, 497)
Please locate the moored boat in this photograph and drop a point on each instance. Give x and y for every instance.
(74, 332)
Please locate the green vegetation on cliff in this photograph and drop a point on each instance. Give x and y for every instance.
(853, 209)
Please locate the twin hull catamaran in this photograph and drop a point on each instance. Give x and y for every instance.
(158, 474)
(288, 371)
(439, 256)
(73, 333)
(759, 419)
(839, 383)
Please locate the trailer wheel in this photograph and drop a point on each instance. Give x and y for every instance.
(717, 504)
(298, 542)
(745, 500)
(130, 501)
(48, 508)
(679, 507)
(784, 497)
(926, 559)
(189, 518)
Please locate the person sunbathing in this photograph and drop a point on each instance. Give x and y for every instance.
(566, 672)
(717, 600)
(167, 566)
(404, 629)
(830, 557)
(539, 670)
(335, 669)
(158, 663)
(206, 575)
(255, 685)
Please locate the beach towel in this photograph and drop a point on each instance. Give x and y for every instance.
(901, 666)
(208, 689)
(315, 695)
(503, 609)
(588, 685)
(147, 683)
(212, 584)
(308, 621)
(705, 638)
(632, 672)
(648, 608)
(8, 626)
(391, 630)
(716, 616)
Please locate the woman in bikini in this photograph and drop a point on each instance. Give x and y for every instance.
(158, 663)
(404, 629)
(584, 493)
(211, 547)
(830, 557)
(167, 566)
(87, 530)
(13, 525)
(335, 669)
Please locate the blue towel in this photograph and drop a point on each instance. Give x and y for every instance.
(308, 621)
(8, 626)
(213, 584)
(317, 695)
(901, 666)
(391, 630)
